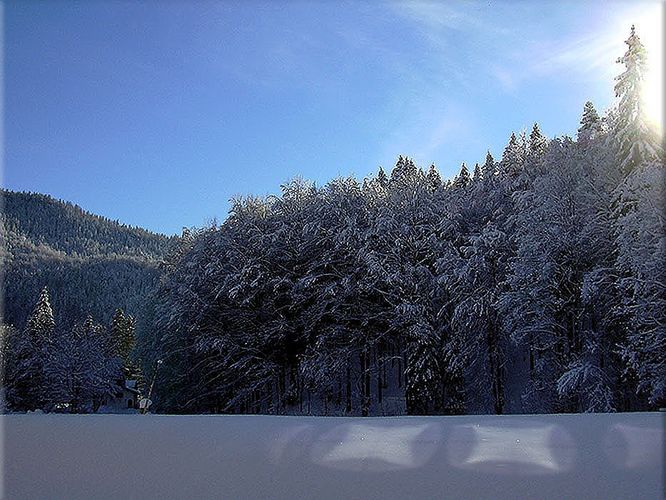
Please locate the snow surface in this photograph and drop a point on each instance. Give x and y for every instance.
(265, 457)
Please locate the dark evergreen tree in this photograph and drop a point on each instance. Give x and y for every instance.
(433, 177)
(32, 352)
(590, 124)
(463, 178)
(537, 143)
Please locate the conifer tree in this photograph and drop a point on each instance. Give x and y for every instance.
(433, 178)
(32, 352)
(398, 171)
(639, 207)
(463, 179)
(477, 175)
(382, 179)
(590, 124)
(537, 143)
(488, 169)
(123, 340)
(513, 157)
(41, 323)
(634, 139)
(122, 334)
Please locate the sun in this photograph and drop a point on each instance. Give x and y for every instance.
(649, 28)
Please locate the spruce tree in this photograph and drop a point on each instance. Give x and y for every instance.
(639, 207)
(382, 179)
(488, 169)
(398, 171)
(463, 179)
(634, 139)
(477, 175)
(537, 143)
(33, 349)
(433, 178)
(513, 157)
(123, 335)
(41, 323)
(590, 124)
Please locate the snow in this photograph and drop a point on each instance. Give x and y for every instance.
(260, 457)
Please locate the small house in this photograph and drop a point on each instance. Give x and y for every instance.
(125, 399)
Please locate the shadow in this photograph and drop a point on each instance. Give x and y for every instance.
(633, 447)
(287, 440)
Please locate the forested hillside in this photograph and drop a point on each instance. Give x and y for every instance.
(91, 265)
(533, 283)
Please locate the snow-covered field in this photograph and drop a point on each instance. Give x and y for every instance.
(260, 457)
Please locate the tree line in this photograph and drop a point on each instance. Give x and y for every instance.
(532, 283)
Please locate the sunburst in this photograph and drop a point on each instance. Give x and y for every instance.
(649, 28)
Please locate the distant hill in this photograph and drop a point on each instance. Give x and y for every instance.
(90, 264)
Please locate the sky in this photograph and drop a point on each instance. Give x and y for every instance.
(156, 114)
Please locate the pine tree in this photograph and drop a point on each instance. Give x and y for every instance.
(463, 179)
(123, 340)
(398, 170)
(422, 370)
(635, 141)
(122, 334)
(488, 170)
(41, 323)
(590, 124)
(31, 389)
(537, 143)
(639, 206)
(382, 179)
(410, 169)
(433, 178)
(513, 157)
(477, 175)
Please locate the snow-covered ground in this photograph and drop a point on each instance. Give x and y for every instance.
(260, 457)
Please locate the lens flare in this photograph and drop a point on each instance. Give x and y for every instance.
(649, 28)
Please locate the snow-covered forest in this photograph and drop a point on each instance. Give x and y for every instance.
(530, 283)
(90, 264)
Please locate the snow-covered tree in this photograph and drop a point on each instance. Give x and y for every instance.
(31, 352)
(41, 323)
(639, 207)
(513, 157)
(82, 372)
(489, 168)
(636, 142)
(590, 124)
(433, 177)
(537, 143)
(463, 178)
(641, 253)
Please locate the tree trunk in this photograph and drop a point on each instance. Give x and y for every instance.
(348, 408)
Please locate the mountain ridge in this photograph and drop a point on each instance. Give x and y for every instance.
(90, 263)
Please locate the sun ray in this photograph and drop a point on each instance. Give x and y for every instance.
(649, 27)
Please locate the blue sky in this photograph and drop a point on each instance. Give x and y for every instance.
(156, 114)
